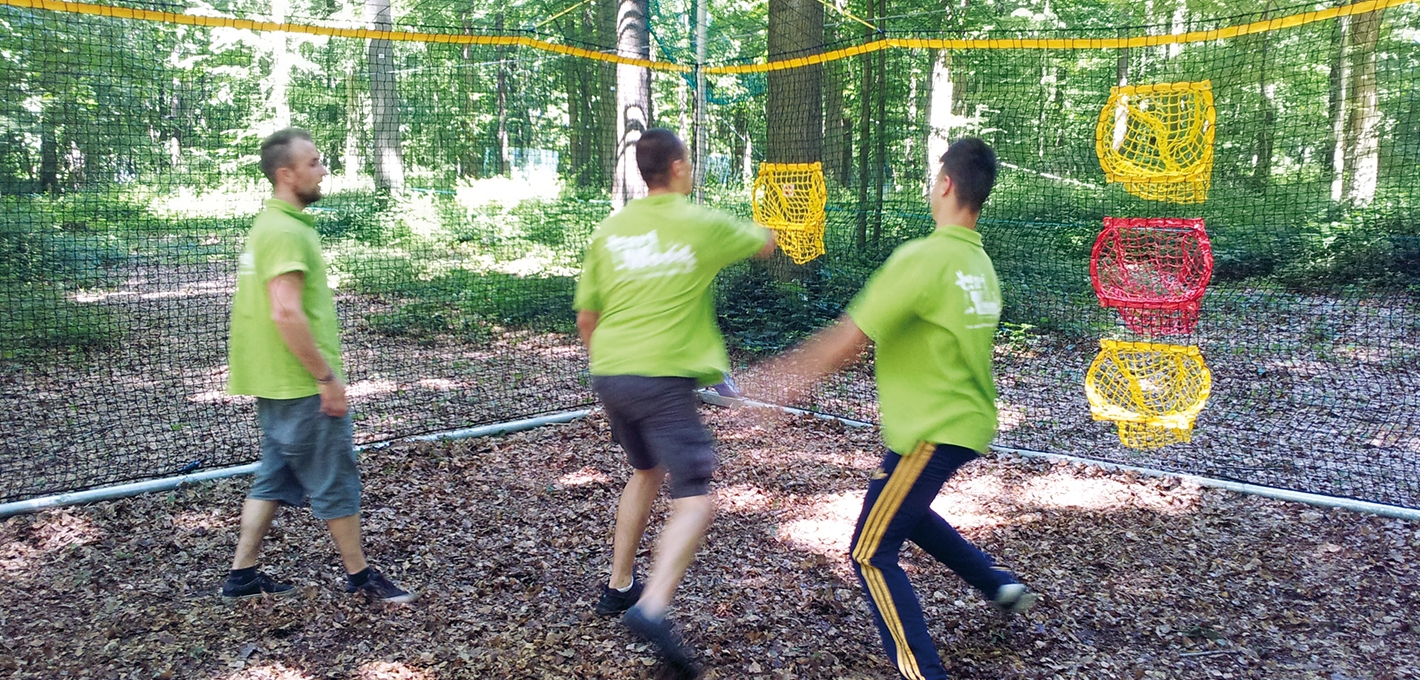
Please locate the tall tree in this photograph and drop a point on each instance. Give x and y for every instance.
(605, 103)
(504, 152)
(384, 100)
(633, 99)
(1364, 111)
(1267, 108)
(793, 104)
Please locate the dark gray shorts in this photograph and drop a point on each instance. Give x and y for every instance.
(306, 454)
(655, 420)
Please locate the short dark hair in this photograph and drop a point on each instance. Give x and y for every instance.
(655, 151)
(276, 150)
(971, 165)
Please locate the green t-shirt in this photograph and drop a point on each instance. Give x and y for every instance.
(648, 272)
(282, 240)
(932, 310)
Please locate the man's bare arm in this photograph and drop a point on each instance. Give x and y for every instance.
(586, 323)
(791, 375)
(289, 313)
(767, 250)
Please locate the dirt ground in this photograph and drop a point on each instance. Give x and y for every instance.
(507, 538)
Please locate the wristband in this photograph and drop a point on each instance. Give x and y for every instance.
(328, 378)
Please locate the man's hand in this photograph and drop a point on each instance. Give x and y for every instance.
(332, 398)
(787, 378)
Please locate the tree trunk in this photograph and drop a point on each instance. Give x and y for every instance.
(48, 155)
(384, 101)
(939, 115)
(1334, 157)
(865, 146)
(501, 133)
(354, 123)
(833, 124)
(1363, 118)
(1262, 151)
(880, 158)
(633, 100)
(793, 104)
(277, 103)
(606, 116)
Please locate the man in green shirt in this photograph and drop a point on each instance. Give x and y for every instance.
(932, 311)
(646, 313)
(285, 351)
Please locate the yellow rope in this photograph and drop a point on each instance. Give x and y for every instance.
(558, 15)
(1263, 26)
(846, 13)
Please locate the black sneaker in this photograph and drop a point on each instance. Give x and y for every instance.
(614, 601)
(259, 585)
(381, 589)
(663, 637)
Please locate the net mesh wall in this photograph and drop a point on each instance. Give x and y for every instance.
(471, 162)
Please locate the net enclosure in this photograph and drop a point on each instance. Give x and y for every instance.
(1249, 169)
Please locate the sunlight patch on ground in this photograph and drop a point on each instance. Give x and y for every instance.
(387, 670)
(829, 531)
(205, 520)
(265, 671)
(51, 533)
(583, 477)
(365, 388)
(503, 191)
(740, 498)
(1063, 490)
(442, 384)
(1009, 417)
(232, 199)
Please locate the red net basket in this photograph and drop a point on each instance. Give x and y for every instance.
(1154, 271)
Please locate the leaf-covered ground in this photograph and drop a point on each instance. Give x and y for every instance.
(507, 539)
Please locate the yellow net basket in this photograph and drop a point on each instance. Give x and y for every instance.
(1153, 391)
(1158, 140)
(790, 199)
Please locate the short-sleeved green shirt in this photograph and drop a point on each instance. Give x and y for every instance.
(932, 310)
(282, 240)
(648, 271)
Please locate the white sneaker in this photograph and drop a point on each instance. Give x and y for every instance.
(1014, 598)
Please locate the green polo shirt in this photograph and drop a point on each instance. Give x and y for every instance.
(282, 240)
(648, 271)
(932, 310)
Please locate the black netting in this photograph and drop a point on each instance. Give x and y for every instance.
(467, 177)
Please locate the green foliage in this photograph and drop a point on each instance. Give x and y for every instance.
(1362, 246)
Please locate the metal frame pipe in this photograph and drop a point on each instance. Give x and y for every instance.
(168, 483)
(1352, 504)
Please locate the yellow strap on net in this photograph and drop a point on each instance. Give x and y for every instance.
(1158, 140)
(1153, 391)
(790, 199)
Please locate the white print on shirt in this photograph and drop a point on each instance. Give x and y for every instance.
(980, 301)
(246, 264)
(643, 257)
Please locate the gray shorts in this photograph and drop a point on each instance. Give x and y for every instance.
(306, 454)
(655, 420)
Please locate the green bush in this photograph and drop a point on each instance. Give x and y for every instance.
(463, 303)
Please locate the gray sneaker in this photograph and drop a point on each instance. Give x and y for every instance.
(1014, 598)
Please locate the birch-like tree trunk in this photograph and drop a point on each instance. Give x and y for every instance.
(633, 100)
(384, 101)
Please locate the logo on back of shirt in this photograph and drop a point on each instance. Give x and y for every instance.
(981, 301)
(644, 257)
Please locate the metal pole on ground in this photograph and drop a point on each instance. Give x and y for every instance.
(167, 483)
